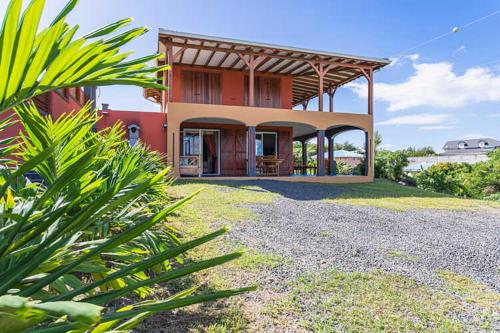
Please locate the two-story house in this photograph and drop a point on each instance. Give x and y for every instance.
(229, 107)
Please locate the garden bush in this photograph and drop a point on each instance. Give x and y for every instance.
(479, 180)
(390, 165)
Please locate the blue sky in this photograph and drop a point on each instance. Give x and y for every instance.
(447, 89)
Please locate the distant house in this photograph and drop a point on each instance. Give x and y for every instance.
(457, 151)
(349, 157)
(470, 146)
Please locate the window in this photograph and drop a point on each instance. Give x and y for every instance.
(201, 87)
(266, 144)
(191, 143)
(267, 91)
(482, 144)
(462, 145)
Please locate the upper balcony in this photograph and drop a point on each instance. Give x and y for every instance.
(214, 70)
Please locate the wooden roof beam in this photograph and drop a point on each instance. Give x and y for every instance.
(248, 52)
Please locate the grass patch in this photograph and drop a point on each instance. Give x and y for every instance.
(369, 302)
(403, 255)
(255, 261)
(391, 195)
(477, 294)
(472, 291)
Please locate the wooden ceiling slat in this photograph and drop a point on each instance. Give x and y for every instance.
(291, 67)
(210, 56)
(196, 55)
(225, 57)
(267, 60)
(276, 64)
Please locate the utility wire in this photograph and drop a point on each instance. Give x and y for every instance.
(454, 30)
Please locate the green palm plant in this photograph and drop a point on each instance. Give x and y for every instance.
(33, 62)
(62, 240)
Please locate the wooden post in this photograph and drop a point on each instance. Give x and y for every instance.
(321, 70)
(320, 89)
(251, 150)
(251, 85)
(370, 92)
(304, 157)
(368, 154)
(368, 74)
(170, 58)
(320, 158)
(251, 63)
(331, 158)
(331, 92)
(165, 92)
(305, 102)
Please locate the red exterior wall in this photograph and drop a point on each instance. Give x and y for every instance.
(233, 86)
(52, 103)
(152, 133)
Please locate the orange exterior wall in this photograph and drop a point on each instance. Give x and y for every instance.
(233, 85)
(152, 133)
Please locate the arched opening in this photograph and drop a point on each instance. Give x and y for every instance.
(290, 140)
(348, 151)
(212, 147)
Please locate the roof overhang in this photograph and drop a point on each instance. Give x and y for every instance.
(226, 53)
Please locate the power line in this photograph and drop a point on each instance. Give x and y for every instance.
(454, 30)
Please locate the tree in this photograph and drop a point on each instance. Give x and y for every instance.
(419, 152)
(377, 141)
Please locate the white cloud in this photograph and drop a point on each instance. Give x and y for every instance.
(417, 119)
(435, 127)
(494, 115)
(474, 136)
(413, 57)
(404, 59)
(436, 85)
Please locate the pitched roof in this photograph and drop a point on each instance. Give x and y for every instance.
(226, 53)
(346, 153)
(468, 146)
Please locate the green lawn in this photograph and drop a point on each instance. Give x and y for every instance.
(382, 302)
(324, 302)
(390, 195)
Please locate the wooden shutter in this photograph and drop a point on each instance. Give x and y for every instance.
(227, 151)
(201, 87)
(267, 91)
(285, 152)
(241, 152)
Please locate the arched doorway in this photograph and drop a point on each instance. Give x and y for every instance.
(212, 147)
(290, 144)
(348, 151)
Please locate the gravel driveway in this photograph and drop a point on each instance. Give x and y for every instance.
(314, 235)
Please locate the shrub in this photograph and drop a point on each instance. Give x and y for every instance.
(389, 164)
(471, 180)
(342, 168)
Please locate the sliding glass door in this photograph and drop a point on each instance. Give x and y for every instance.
(201, 151)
